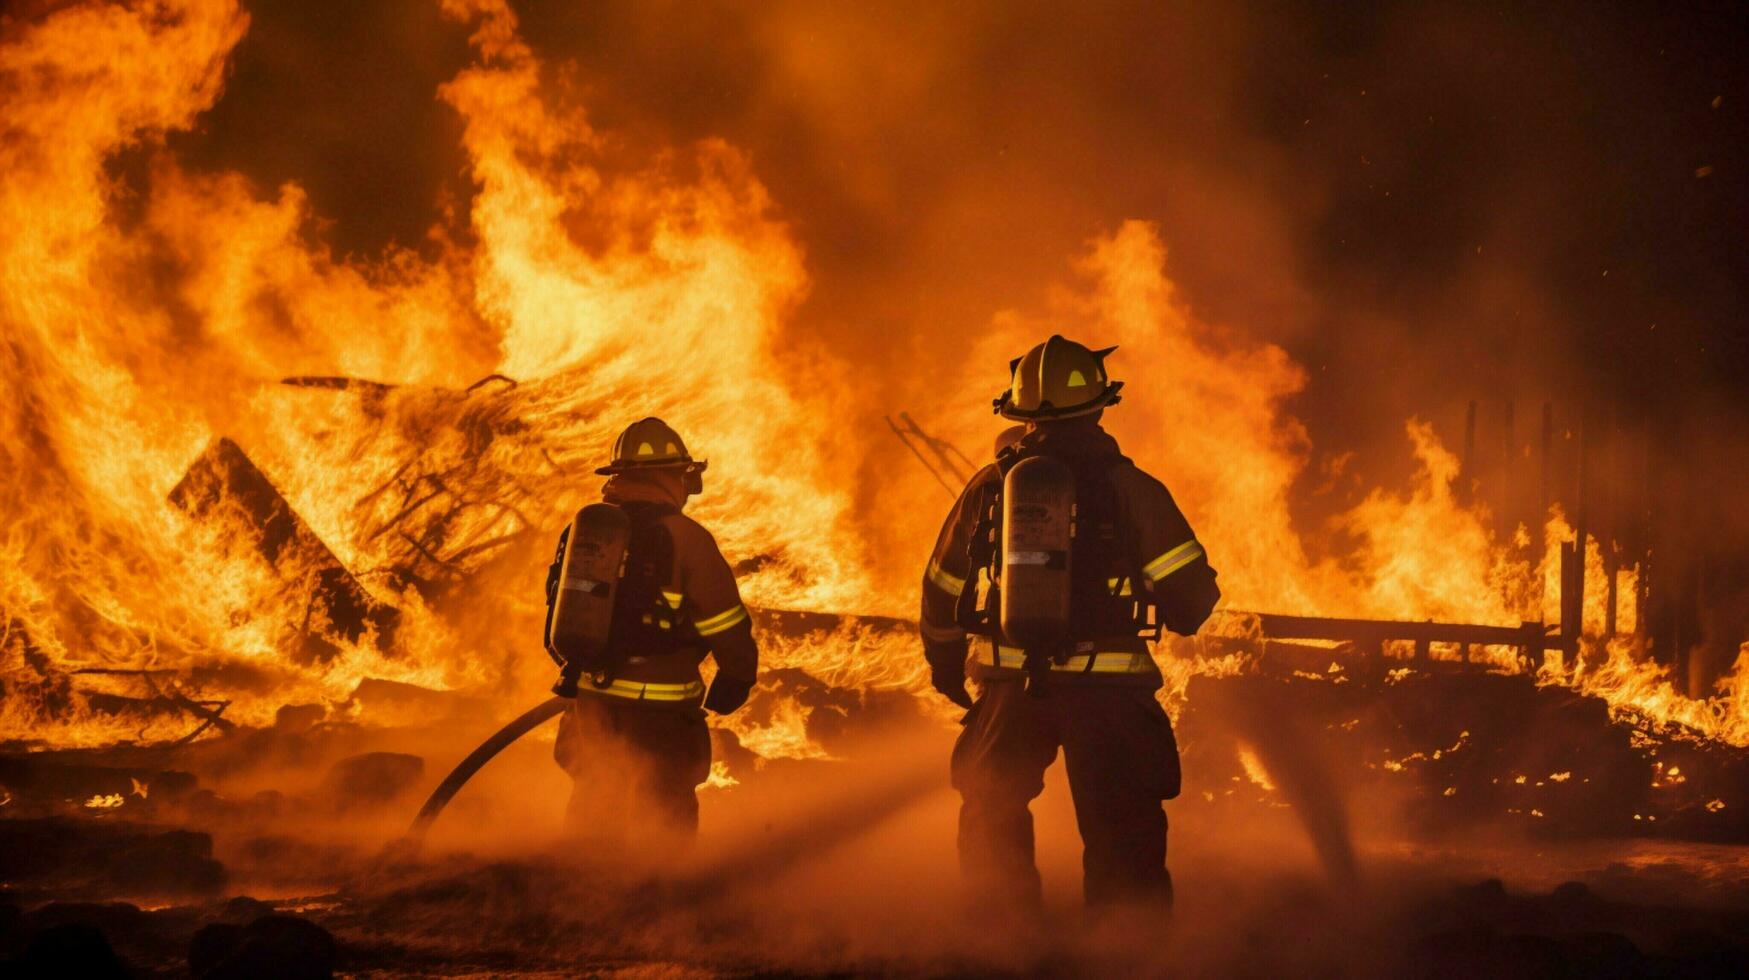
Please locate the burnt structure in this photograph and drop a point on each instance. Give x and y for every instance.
(224, 484)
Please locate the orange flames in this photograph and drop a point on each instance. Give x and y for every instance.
(140, 331)
(142, 325)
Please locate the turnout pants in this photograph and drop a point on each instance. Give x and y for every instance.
(635, 767)
(1122, 760)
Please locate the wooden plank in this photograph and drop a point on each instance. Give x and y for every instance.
(1370, 632)
(223, 483)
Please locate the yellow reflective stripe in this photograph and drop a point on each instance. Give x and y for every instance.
(1107, 663)
(945, 580)
(674, 599)
(1104, 661)
(1173, 560)
(1119, 586)
(721, 621)
(941, 634)
(639, 691)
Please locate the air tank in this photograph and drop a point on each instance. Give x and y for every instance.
(1038, 524)
(582, 612)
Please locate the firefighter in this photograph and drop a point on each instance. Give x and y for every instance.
(635, 740)
(1128, 565)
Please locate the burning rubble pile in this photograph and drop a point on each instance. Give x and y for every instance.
(1465, 722)
(455, 535)
(188, 534)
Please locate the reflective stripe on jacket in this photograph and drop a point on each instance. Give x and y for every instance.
(1173, 564)
(701, 591)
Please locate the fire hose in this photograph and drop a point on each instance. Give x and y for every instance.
(528, 721)
(606, 527)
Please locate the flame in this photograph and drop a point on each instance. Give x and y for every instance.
(1254, 770)
(784, 735)
(1644, 692)
(581, 289)
(114, 389)
(719, 777)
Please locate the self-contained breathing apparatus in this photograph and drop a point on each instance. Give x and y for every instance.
(1048, 562)
(605, 594)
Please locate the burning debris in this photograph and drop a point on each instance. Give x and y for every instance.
(1442, 751)
(225, 487)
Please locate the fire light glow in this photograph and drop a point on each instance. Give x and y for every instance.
(139, 330)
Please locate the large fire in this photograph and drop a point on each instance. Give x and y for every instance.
(448, 403)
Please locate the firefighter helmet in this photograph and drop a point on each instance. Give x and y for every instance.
(1058, 379)
(649, 443)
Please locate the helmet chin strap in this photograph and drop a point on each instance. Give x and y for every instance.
(1091, 418)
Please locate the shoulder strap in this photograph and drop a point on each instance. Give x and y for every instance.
(1109, 597)
(555, 571)
(973, 612)
(643, 620)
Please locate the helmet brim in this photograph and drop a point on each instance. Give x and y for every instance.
(627, 466)
(1005, 407)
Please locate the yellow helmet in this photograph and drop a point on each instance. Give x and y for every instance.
(1058, 379)
(649, 443)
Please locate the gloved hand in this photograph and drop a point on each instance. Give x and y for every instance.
(727, 694)
(950, 680)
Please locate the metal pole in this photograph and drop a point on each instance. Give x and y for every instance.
(906, 438)
(1467, 478)
(1504, 496)
(1542, 506)
(1643, 590)
(1609, 526)
(1581, 506)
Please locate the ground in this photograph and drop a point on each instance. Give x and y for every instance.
(804, 867)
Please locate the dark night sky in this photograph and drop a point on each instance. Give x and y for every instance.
(1424, 204)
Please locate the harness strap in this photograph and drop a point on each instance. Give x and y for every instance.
(640, 691)
(1002, 656)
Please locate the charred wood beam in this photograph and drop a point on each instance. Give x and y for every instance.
(491, 379)
(200, 729)
(338, 384)
(393, 481)
(210, 712)
(163, 699)
(1367, 632)
(487, 545)
(950, 467)
(224, 481)
(797, 623)
(1272, 630)
(52, 775)
(1572, 595)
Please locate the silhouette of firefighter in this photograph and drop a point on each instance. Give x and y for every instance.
(1057, 565)
(638, 595)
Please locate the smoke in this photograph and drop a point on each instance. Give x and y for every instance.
(846, 867)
